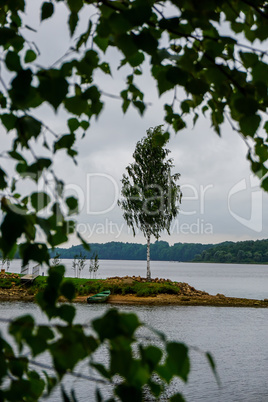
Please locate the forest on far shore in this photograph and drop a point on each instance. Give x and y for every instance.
(249, 251)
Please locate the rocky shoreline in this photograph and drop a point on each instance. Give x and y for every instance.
(188, 295)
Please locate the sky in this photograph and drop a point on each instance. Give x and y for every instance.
(221, 201)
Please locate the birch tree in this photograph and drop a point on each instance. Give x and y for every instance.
(150, 195)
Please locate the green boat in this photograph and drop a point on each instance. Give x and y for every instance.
(99, 297)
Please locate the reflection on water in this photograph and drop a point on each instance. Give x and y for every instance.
(237, 337)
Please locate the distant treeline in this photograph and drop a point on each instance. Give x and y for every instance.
(160, 251)
(227, 252)
(240, 252)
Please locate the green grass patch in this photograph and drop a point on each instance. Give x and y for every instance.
(85, 287)
(7, 283)
(141, 289)
(153, 289)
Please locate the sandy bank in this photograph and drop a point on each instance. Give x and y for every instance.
(159, 300)
(177, 300)
(185, 295)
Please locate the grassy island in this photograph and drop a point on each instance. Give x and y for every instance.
(126, 290)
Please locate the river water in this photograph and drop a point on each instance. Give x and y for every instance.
(237, 337)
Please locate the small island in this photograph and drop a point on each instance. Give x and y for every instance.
(126, 290)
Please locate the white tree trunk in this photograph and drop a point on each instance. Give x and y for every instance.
(148, 258)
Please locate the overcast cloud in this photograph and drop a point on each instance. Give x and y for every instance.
(220, 200)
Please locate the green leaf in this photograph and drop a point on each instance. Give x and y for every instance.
(3, 182)
(178, 361)
(76, 105)
(219, 118)
(114, 324)
(13, 61)
(102, 43)
(64, 395)
(261, 149)
(53, 87)
(72, 203)
(249, 59)
(66, 313)
(213, 367)
(118, 24)
(98, 395)
(93, 95)
(125, 105)
(128, 393)
(3, 101)
(101, 369)
(18, 366)
(264, 184)
(178, 123)
(84, 124)
(127, 45)
(86, 67)
(237, 27)
(73, 346)
(47, 299)
(44, 225)
(34, 252)
(160, 74)
(196, 86)
(73, 124)
(40, 200)
(249, 124)
(27, 127)
(176, 75)
(151, 355)
(136, 60)
(186, 106)
(39, 342)
(73, 21)
(47, 10)
(30, 56)
(140, 106)
(75, 5)
(14, 224)
(51, 382)
(37, 385)
(7, 35)
(147, 41)
(85, 244)
(247, 106)
(105, 67)
(22, 329)
(66, 141)
(260, 72)
(155, 388)
(68, 290)
(9, 121)
(22, 94)
(35, 170)
(82, 40)
(177, 398)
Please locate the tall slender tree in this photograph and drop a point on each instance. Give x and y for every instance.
(150, 195)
